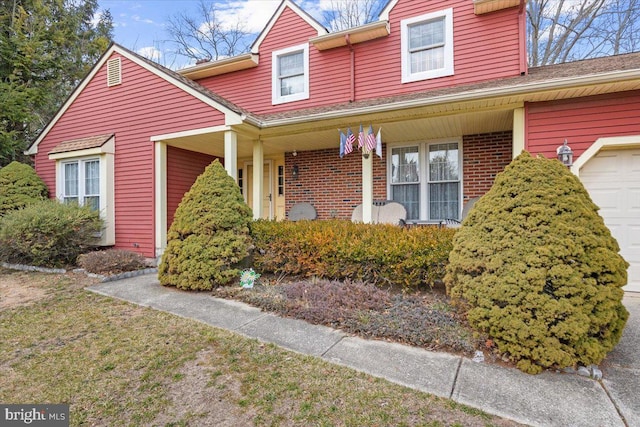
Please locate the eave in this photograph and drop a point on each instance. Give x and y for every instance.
(227, 65)
(354, 35)
(480, 7)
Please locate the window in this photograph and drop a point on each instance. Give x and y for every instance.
(82, 182)
(427, 46)
(290, 71)
(432, 192)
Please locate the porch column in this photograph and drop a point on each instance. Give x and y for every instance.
(231, 154)
(160, 174)
(258, 174)
(518, 131)
(367, 189)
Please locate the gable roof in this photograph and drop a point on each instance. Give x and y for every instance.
(233, 113)
(255, 47)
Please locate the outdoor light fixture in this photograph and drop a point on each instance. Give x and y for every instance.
(565, 154)
(295, 171)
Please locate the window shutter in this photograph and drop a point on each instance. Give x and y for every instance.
(114, 72)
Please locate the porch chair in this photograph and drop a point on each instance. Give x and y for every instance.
(454, 223)
(302, 211)
(382, 212)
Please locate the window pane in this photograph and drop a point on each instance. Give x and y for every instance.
(92, 177)
(291, 85)
(409, 196)
(443, 200)
(426, 34)
(291, 64)
(70, 179)
(427, 60)
(93, 202)
(443, 162)
(405, 166)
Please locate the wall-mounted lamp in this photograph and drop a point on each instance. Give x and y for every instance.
(295, 171)
(565, 154)
(295, 153)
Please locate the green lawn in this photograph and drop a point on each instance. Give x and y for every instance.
(119, 364)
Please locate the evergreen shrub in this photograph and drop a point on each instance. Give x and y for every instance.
(535, 268)
(48, 234)
(209, 235)
(19, 187)
(340, 250)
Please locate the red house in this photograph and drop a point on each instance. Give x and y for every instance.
(444, 83)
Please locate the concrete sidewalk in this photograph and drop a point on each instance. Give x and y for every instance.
(548, 399)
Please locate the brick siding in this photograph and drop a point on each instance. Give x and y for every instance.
(334, 185)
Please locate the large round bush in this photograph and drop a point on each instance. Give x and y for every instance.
(19, 187)
(209, 235)
(48, 234)
(536, 269)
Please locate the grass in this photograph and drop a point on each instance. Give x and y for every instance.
(120, 364)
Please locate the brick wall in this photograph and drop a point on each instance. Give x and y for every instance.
(334, 185)
(484, 156)
(331, 184)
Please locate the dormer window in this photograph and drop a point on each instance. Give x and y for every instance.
(427, 46)
(290, 71)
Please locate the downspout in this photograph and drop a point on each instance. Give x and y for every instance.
(353, 68)
(522, 38)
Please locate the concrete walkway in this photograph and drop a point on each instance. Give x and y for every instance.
(548, 399)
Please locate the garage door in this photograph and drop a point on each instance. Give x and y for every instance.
(612, 178)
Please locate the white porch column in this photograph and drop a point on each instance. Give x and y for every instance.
(258, 174)
(518, 131)
(231, 154)
(160, 173)
(367, 189)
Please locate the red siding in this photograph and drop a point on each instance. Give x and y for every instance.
(485, 47)
(484, 156)
(142, 106)
(580, 121)
(183, 167)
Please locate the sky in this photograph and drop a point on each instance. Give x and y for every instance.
(140, 25)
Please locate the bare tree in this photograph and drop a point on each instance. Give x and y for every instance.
(344, 14)
(568, 30)
(205, 36)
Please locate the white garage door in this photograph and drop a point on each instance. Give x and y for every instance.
(612, 178)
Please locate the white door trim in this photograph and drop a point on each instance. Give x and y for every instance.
(629, 141)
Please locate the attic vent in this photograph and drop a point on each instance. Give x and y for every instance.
(114, 72)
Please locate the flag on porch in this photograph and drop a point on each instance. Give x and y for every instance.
(370, 140)
(360, 138)
(379, 143)
(343, 142)
(348, 146)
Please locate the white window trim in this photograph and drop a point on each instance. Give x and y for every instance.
(275, 82)
(423, 155)
(447, 70)
(107, 200)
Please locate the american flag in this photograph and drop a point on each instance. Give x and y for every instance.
(348, 146)
(370, 140)
(360, 138)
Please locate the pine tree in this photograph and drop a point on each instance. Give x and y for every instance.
(209, 235)
(535, 268)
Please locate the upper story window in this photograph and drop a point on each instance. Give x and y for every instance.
(427, 46)
(290, 73)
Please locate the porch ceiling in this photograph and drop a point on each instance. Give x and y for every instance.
(408, 125)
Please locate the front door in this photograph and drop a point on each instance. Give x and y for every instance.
(267, 191)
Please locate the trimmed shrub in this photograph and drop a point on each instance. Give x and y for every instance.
(209, 235)
(340, 250)
(19, 187)
(48, 234)
(112, 261)
(535, 268)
